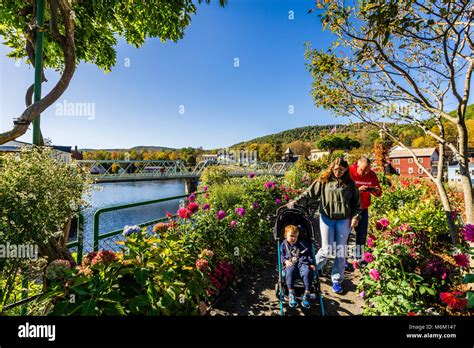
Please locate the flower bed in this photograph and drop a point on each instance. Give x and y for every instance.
(412, 268)
(181, 266)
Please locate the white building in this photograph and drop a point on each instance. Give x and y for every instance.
(62, 153)
(317, 154)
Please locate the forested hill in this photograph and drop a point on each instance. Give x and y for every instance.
(358, 131)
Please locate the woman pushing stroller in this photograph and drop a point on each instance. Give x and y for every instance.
(339, 208)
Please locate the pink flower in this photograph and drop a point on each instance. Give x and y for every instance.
(382, 224)
(468, 232)
(240, 211)
(251, 175)
(192, 197)
(404, 227)
(169, 215)
(368, 257)
(193, 207)
(286, 197)
(374, 274)
(462, 260)
(282, 188)
(278, 201)
(370, 242)
(355, 264)
(221, 214)
(206, 206)
(362, 294)
(206, 195)
(184, 213)
(205, 188)
(233, 224)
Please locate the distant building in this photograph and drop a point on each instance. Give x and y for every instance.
(453, 174)
(62, 153)
(289, 156)
(77, 155)
(317, 154)
(404, 165)
(209, 157)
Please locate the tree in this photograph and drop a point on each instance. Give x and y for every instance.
(299, 148)
(337, 142)
(403, 60)
(87, 31)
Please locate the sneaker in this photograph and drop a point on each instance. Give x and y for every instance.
(305, 301)
(292, 300)
(337, 288)
(349, 267)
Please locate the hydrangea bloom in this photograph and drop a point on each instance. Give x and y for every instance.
(206, 206)
(104, 257)
(161, 227)
(374, 274)
(202, 264)
(128, 230)
(221, 214)
(57, 269)
(240, 211)
(468, 232)
(184, 213)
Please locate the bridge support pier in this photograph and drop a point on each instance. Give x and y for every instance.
(190, 185)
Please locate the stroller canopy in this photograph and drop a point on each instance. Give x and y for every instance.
(297, 216)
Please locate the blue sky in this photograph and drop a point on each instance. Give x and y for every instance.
(140, 104)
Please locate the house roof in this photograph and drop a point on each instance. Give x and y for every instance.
(399, 152)
(288, 150)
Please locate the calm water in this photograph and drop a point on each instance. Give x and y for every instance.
(111, 194)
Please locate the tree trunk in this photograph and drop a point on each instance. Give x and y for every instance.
(57, 249)
(466, 183)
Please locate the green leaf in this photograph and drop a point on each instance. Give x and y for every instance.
(139, 301)
(113, 309)
(88, 307)
(141, 275)
(470, 299)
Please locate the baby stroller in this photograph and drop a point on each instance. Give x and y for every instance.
(300, 217)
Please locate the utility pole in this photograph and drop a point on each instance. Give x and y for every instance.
(38, 67)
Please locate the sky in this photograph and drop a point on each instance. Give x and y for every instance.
(189, 93)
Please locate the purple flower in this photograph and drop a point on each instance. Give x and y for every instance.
(278, 201)
(192, 197)
(251, 175)
(362, 294)
(233, 224)
(468, 232)
(128, 230)
(240, 211)
(205, 188)
(221, 214)
(382, 224)
(206, 206)
(270, 185)
(255, 205)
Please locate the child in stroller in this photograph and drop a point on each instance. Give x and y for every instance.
(296, 258)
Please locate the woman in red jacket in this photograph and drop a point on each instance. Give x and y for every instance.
(368, 184)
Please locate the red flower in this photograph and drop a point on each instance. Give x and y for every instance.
(184, 213)
(169, 215)
(453, 299)
(193, 207)
(411, 314)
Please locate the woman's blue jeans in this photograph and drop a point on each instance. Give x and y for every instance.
(334, 234)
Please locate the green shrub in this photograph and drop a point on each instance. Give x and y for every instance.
(215, 175)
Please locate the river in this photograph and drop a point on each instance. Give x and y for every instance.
(111, 194)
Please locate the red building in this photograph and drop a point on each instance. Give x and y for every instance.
(404, 163)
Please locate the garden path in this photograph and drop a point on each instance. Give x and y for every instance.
(254, 294)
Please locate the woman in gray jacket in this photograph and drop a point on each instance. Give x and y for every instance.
(339, 208)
